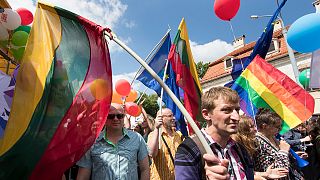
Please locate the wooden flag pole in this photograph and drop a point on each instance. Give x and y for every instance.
(165, 87)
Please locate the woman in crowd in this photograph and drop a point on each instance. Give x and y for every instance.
(270, 151)
(246, 138)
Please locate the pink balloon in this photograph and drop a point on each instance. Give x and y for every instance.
(226, 9)
(25, 15)
(132, 108)
(123, 87)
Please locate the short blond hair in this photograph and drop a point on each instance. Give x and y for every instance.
(208, 98)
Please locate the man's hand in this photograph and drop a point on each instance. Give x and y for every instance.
(158, 121)
(305, 139)
(214, 168)
(302, 154)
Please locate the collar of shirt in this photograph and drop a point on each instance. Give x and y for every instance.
(102, 135)
(230, 142)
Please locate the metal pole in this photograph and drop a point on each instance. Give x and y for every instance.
(290, 52)
(166, 88)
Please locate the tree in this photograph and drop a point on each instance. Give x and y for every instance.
(202, 68)
(150, 104)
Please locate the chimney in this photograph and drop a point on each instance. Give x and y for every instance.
(316, 4)
(239, 42)
(277, 25)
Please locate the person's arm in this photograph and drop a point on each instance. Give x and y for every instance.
(143, 159)
(144, 168)
(83, 173)
(145, 116)
(153, 139)
(85, 164)
(271, 173)
(187, 161)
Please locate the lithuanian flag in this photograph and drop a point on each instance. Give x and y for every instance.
(183, 65)
(62, 96)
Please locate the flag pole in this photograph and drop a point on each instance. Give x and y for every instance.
(165, 87)
(161, 96)
(154, 48)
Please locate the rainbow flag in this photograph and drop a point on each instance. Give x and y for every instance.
(62, 96)
(183, 65)
(262, 85)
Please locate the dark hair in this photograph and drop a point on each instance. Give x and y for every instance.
(266, 116)
(214, 93)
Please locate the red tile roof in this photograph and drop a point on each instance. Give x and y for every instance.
(216, 69)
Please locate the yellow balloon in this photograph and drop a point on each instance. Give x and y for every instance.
(116, 98)
(99, 89)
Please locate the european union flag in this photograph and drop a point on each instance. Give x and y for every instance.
(158, 63)
(260, 48)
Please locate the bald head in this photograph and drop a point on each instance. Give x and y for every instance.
(116, 108)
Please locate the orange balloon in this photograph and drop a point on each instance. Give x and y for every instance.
(116, 98)
(99, 89)
(132, 96)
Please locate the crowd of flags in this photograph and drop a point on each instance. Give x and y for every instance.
(44, 127)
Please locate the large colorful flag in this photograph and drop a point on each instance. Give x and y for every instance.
(62, 96)
(260, 48)
(158, 63)
(262, 85)
(183, 65)
(314, 70)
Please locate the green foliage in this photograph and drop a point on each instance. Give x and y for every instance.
(150, 104)
(202, 68)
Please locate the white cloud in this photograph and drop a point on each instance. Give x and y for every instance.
(129, 24)
(210, 51)
(103, 12)
(106, 13)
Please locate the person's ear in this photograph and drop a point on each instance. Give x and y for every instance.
(205, 114)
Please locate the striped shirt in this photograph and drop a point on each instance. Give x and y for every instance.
(109, 161)
(235, 169)
(188, 160)
(162, 167)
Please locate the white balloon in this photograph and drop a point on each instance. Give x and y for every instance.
(10, 19)
(4, 35)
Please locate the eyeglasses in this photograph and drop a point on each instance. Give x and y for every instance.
(112, 116)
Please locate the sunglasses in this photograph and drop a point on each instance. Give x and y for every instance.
(112, 116)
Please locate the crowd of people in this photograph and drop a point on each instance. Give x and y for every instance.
(243, 148)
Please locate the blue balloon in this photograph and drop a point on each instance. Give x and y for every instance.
(304, 33)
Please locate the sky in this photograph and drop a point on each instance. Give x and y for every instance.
(140, 24)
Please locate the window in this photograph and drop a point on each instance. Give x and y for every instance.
(228, 63)
(274, 47)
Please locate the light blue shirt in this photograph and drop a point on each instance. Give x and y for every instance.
(109, 161)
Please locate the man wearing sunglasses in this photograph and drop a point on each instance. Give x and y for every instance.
(117, 153)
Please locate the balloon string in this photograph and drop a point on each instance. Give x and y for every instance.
(234, 37)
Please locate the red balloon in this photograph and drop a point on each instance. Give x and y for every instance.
(25, 15)
(226, 9)
(123, 87)
(132, 108)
